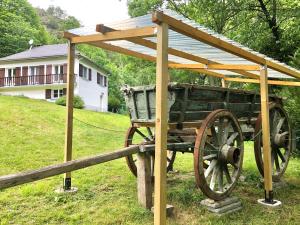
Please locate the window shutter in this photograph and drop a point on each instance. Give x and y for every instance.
(65, 68)
(48, 93)
(2, 74)
(90, 74)
(18, 76)
(49, 74)
(98, 78)
(80, 70)
(105, 81)
(24, 79)
(64, 91)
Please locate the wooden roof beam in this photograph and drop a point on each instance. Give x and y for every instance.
(116, 35)
(180, 27)
(125, 51)
(270, 82)
(218, 67)
(149, 44)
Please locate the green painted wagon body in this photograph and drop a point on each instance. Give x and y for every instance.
(188, 103)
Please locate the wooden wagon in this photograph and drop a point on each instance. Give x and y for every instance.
(212, 123)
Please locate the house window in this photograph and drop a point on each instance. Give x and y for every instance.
(11, 72)
(58, 69)
(33, 70)
(58, 93)
(83, 71)
(102, 80)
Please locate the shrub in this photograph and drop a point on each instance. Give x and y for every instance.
(77, 101)
(114, 104)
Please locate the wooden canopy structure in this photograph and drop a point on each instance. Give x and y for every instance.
(173, 41)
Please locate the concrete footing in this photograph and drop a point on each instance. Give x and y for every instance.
(169, 210)
(61, 190)
(276, 203)
(226, 206)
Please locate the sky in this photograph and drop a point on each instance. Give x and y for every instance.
(89, 12)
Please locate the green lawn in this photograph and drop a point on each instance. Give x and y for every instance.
(32, 136)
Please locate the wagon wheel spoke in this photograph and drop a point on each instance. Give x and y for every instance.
(210, 157)
(142, 135)
(220, 179)
(232, 138)
(279, 125)
(281, 156)
(213, 178)
(214, 135)
(275, 115)
(277, 166)
(227, 174)
(210, 168)
(211, 146)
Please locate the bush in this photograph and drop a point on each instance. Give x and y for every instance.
(77, 101)
(114, 104)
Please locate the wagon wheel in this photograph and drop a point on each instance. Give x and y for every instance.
(281, 141)
(219, 144)
(144, 136)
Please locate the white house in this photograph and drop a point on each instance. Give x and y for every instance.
(40, 73)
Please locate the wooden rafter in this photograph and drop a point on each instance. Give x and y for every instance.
(270, 82)
(190, 31)
(125, 51)
(217, 67)
(149, 44)
(115, 35)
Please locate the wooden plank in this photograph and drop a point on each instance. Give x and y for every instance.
(146, 43)
(161, 128)
(115, 48)
(266, 130)
(270, 82)
(116, 35)
(49, 171)
(69, 115)
(144, 186)
(216, 67)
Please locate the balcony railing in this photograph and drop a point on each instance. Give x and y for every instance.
(33, 80)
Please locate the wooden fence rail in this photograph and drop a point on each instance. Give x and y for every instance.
(49, 171)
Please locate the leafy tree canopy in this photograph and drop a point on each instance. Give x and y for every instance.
(19, 23)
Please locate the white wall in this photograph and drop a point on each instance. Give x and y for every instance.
(35, 94)
(90, 91)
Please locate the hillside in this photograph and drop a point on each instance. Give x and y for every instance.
(32, 135)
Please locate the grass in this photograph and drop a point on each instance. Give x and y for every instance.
(32, 136)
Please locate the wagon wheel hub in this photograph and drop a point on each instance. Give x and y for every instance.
(230, 154)
(280, 139)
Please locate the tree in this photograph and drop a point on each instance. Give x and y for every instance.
(18, 24)
(57, 21)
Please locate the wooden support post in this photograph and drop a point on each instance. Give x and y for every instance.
(144, 185)
(266, 134)
(161, 125)
(69, 118)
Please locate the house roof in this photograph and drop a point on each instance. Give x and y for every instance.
(39, 52)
